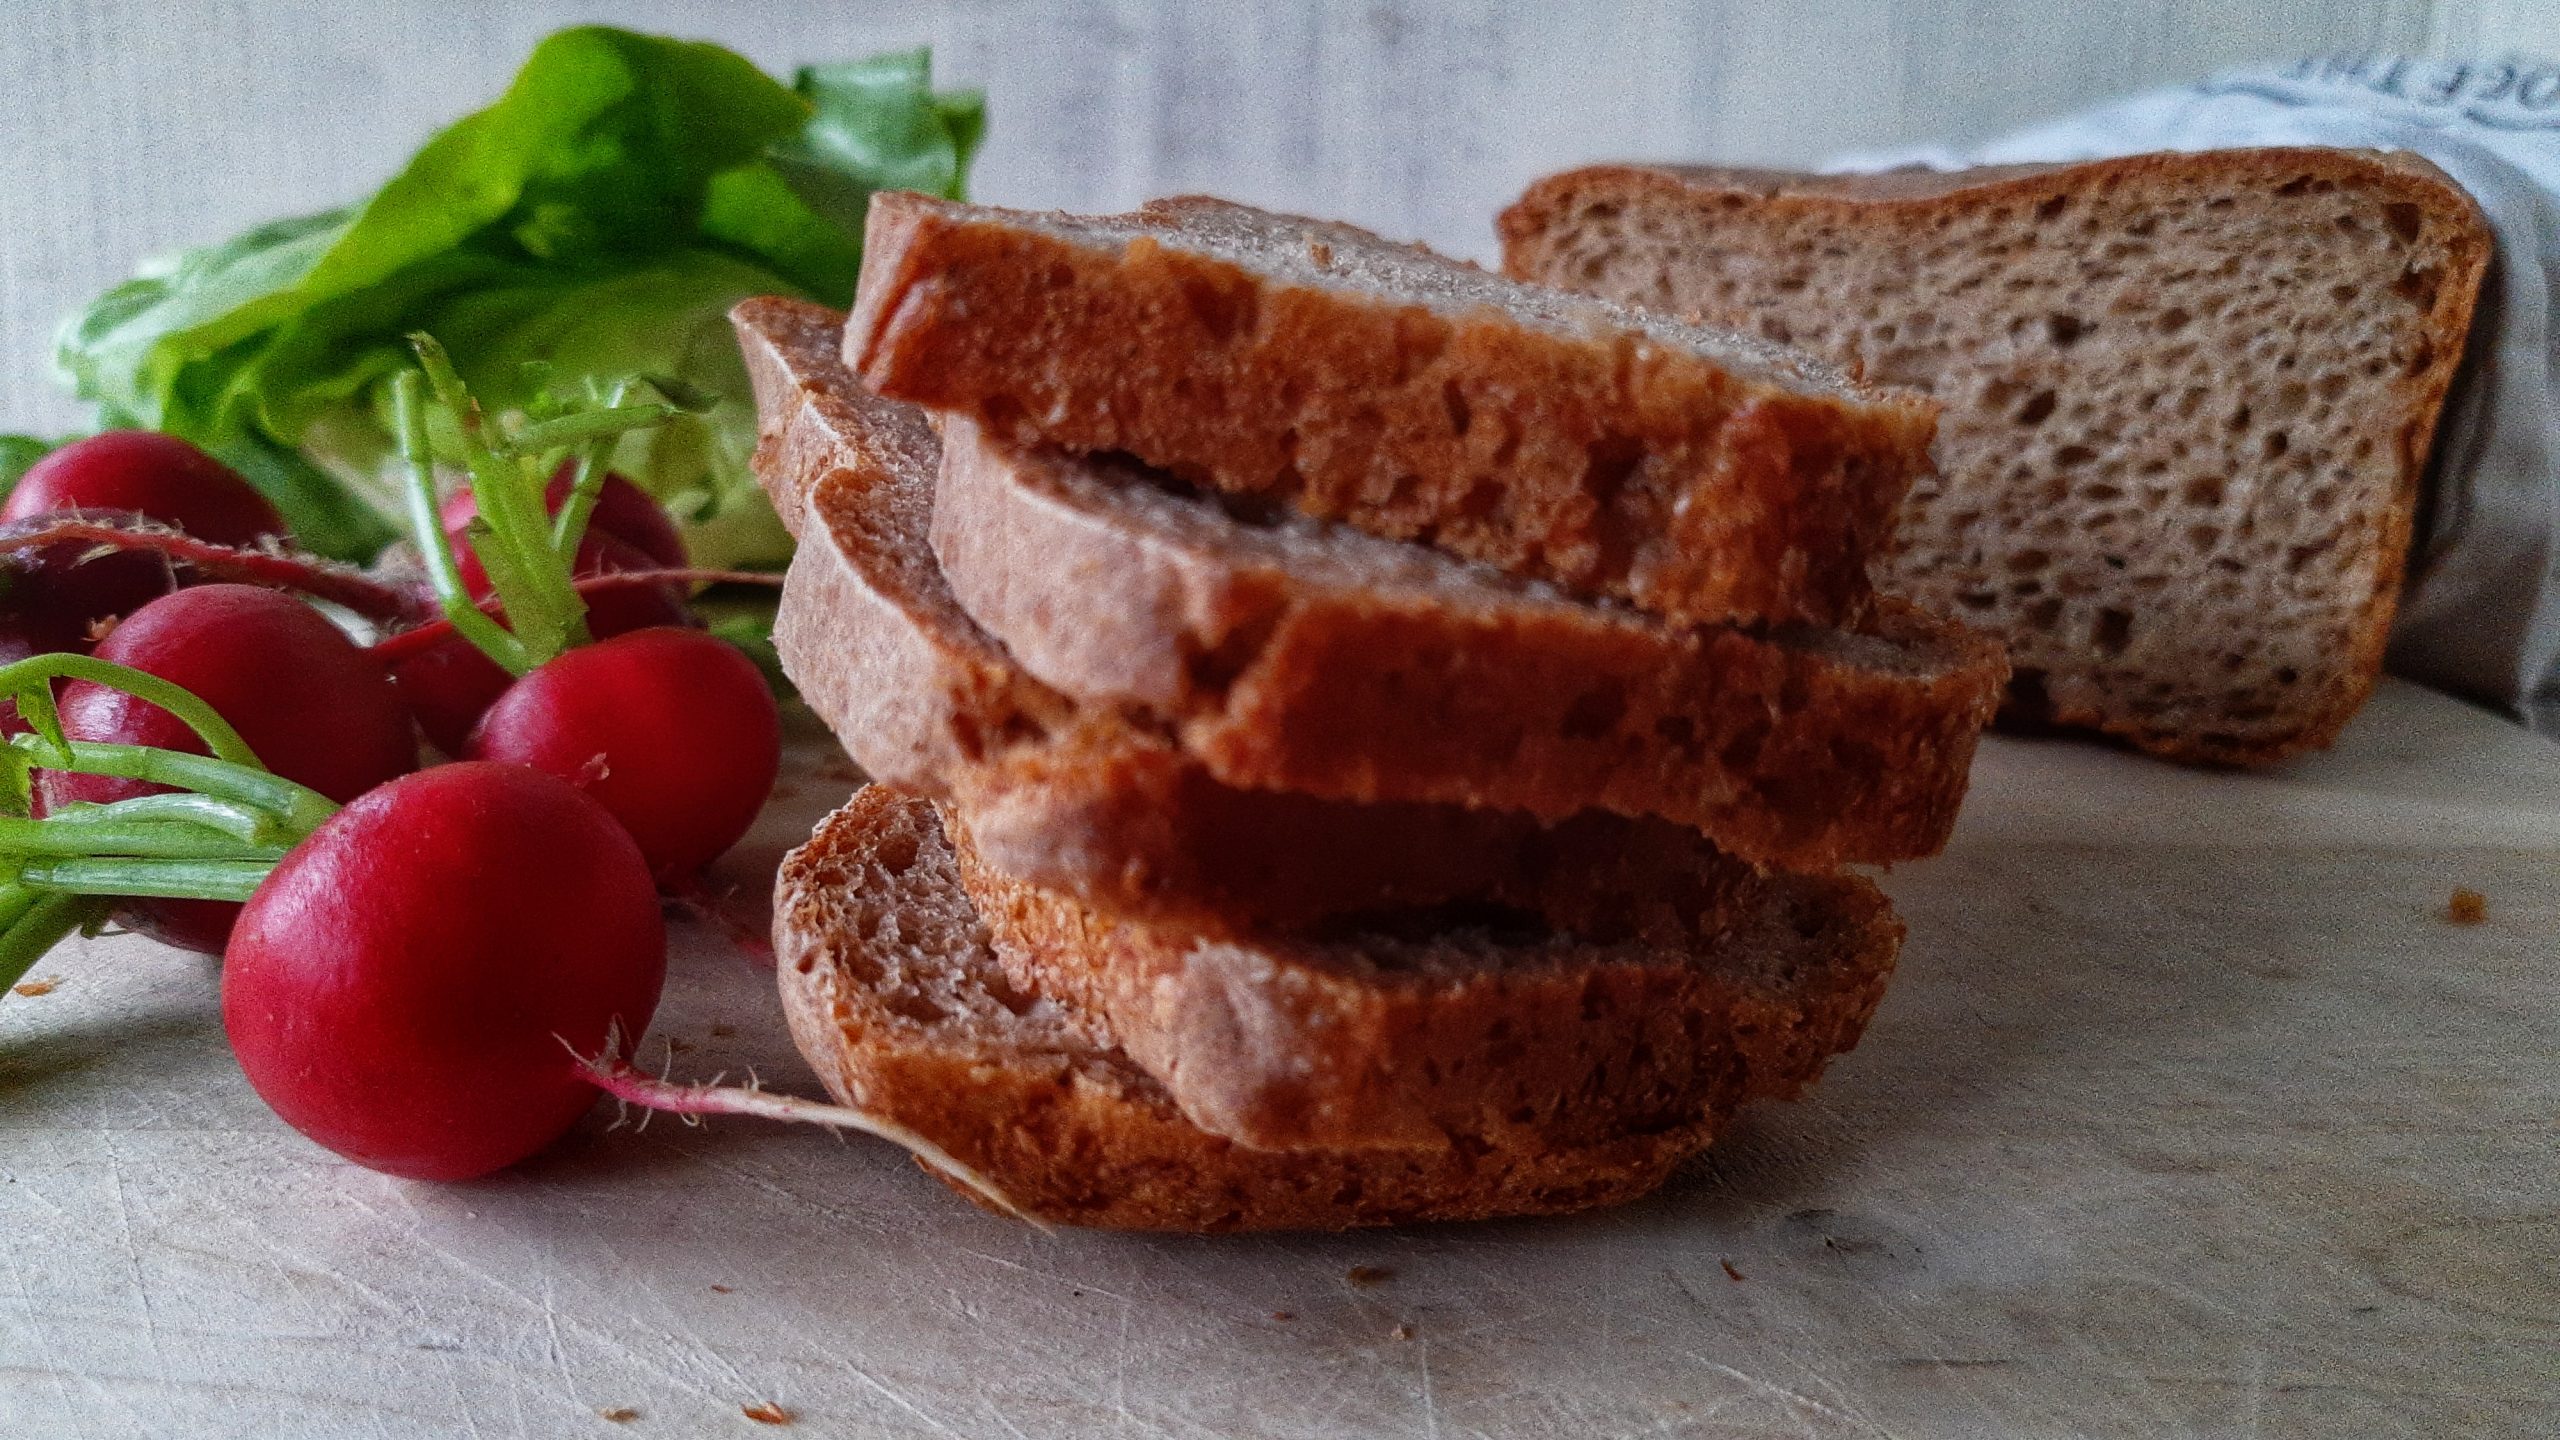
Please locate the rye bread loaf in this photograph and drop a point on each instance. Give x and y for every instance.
(1559, 1015)
(2188, 398)
(1081, 799)
(900, 1007)
(1291, 654)
(1699, 474)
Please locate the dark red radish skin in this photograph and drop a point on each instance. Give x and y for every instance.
(451, 684)
(147, 473)
(414, 984)
(65, 590)
(623, 511)
(316, 707)
(673, 731)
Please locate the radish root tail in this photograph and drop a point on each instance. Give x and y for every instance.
(691, 1101)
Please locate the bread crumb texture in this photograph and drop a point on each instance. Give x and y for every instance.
(2185, 403)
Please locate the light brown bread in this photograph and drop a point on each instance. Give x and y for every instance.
(1698, 474)
(1571, 1009)
(1081, 799)
(1288, 654)
(2188, 398)
(902, 1010)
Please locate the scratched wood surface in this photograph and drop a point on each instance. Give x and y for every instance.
(2189, 1115)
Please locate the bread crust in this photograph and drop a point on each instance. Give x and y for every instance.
(920, 1026)
(1581, 450)
(1902, 207)
(1081, 799)
(1590, 1002)
(1288, 657)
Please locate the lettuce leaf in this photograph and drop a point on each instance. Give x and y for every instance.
(594, 223)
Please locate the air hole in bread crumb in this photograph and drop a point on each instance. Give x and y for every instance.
(2344, 294)
(2277, 443)
(1461, 415)
(2072, 456)
(2045, 613)
(2052, 209)
(2112, 630)
(2027, 562)
(2066, 330)
(2241, 416)
(2418, 284)
(2038, 406)
(2287, 675)
(2173, 320)
(2204, 537)
(2404, 219)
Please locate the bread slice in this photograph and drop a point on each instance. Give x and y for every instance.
(1573, 1013)
(903, 1011)
(1289, 654)
(1699, 474)
(2188, 398)
(1079, 798)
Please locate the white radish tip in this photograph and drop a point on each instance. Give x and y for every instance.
(691, 1101)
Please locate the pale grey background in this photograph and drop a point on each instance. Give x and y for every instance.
(129, 127)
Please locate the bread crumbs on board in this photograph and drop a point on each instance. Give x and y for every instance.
(619, 1414)
(33, 988)
(765, 1412)
(2467, 907)
(1368, 1274)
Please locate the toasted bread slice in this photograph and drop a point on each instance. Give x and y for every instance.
(1699, 474)
(1559, 1016)
(1077, 798)
(1289, 654)
(903, 1011)
(2189, 398)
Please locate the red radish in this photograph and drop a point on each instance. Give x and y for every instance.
(623, 511)
(147, 473)
(316, 707)
(449, 685)
(64, 589)
(673, 730)
(409, 986)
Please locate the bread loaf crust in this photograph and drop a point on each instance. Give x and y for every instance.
(1701, 477)
(1081, 799)
(897, 1004)
(1594, 1000)
(1289, 657)
(2230, 685)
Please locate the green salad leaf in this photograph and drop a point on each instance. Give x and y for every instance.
(594, 224)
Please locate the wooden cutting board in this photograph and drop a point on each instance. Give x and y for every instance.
(2189, 1114)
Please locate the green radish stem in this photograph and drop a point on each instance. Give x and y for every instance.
(29, 681)
(233, 880)
(216, 839)
(43, 922)
(527, 555)
(409, 413)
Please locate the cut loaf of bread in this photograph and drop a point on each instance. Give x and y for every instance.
(1078, 798)
(2188, 398)
(1573, 1012)
(1699, 474)
(1291, 654)
(902, 1010)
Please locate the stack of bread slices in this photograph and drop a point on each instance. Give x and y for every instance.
(1356, 739)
